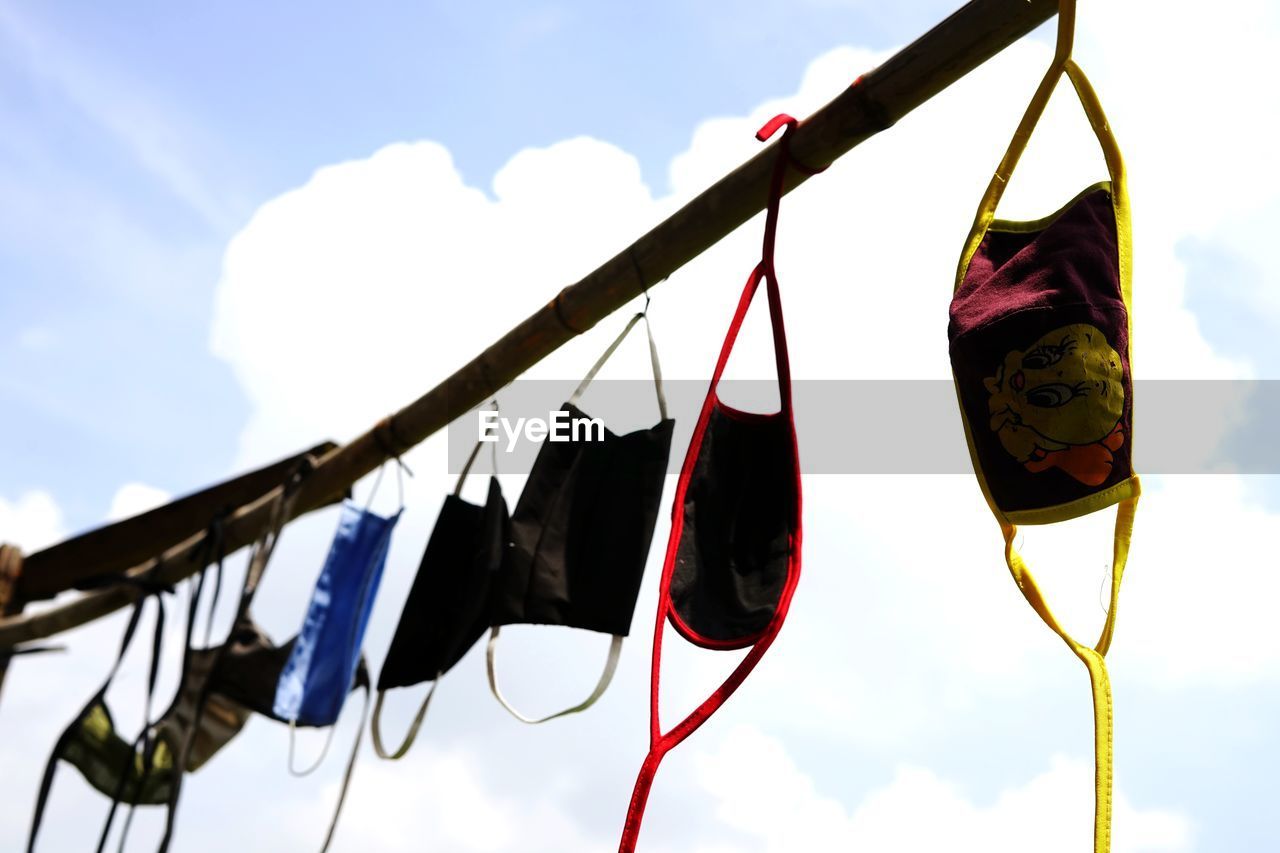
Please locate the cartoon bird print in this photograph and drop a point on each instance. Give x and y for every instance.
(1059, 404)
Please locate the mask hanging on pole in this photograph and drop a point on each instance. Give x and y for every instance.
(142, 772)
(581, 531)
(733, 558)
(447, 609)
(1040, 344)
(326, 653)
(148, 771)
(246, 669)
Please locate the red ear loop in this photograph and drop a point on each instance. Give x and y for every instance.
(661, 743)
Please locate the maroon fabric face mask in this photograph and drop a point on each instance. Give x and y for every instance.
(1040, 342)
(1040, 350)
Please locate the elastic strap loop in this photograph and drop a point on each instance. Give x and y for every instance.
(1066, 31)
(293, 726)
(653, 361)
(375, 727)
(611, 664)
(145, 739)
(348, 771)
(377, 481)
(281, 512)
(1062, 63)
(660, 743)
(401, 470)
(475, 451)
(1093, 659)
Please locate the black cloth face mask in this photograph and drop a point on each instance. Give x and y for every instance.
(581, 531)
(447, 609)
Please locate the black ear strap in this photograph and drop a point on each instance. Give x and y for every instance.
(211, 555)
(362, 681)
(145, 738)
(281, 511)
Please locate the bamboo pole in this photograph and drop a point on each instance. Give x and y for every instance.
(117, 547)
(953, 48)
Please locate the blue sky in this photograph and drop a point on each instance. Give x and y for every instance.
(140, 137)
(199, 202)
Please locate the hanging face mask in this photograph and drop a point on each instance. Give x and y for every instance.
(142, 772)
(733, 559)
(447, 609)
(581, 531)
(1040, 329)
(326, 653)
(249, 667)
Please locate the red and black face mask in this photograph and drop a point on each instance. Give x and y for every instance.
(733, 557)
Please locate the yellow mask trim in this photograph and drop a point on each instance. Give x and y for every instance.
(1124, 494)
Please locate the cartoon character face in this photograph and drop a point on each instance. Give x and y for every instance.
(1065, 392)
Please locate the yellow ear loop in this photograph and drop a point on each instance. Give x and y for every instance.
(1093, 658)
(1035, 109)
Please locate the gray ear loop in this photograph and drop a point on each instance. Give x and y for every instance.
(346, 774)
(475, 452)
(610, 666)
(375, 727)
(328, 741)
(401, 470)
(653, 360)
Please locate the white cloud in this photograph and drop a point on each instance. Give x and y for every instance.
(767, 799)
(445, 799)
(31, 522)
(134, 498)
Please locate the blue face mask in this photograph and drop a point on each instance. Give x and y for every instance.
(322, 666)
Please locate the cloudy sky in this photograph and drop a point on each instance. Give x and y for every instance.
(230, 231)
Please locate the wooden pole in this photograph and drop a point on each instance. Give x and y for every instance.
(953, 48)
(117, 547)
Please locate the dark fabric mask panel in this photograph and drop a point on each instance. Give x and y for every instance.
(101, 756)
(141, 772)
(219, 719)
(249, 670)
(447, 608)
(1040, 352)
(739, 511)
(581, 531)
